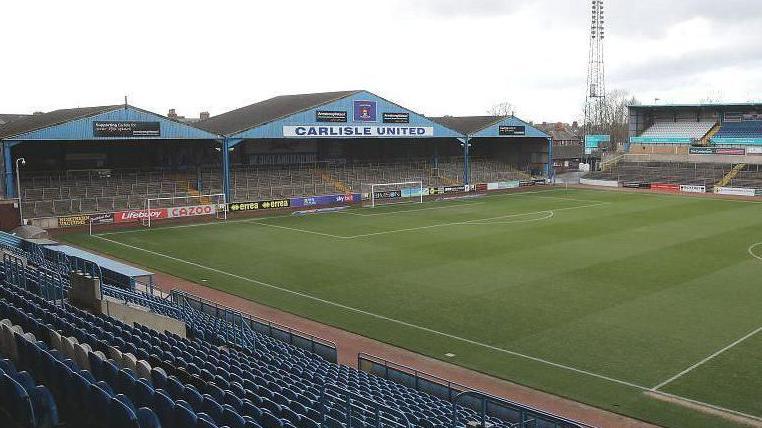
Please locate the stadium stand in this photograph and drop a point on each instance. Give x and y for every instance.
(103, 372)
(91, 191)
(693, 130)
(265, 182)
(749, 177)
(702, 174)
(741, 129)
(71, 192)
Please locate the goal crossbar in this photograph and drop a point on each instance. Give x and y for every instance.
(402, 187)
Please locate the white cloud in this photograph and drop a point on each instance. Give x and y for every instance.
(434, 56)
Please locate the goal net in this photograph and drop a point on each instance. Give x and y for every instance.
(392, 193)
(213, 205)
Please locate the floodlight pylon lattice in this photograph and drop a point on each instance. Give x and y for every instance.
(595, 96)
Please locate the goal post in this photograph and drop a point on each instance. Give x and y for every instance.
(185, 206)
(394, 193)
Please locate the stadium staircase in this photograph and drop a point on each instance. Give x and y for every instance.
(327, 177)
(522, 174)
(444, 179)
(706, 139)
(730, 175)
(186, 185)
(195, 193)
(611, 163)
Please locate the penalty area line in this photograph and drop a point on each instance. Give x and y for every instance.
(459, 205)
(384, 318)
(312, 232)
(474, 221)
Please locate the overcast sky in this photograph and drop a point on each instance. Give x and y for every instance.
(436, 57)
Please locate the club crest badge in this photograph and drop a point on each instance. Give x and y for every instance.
(365, 111)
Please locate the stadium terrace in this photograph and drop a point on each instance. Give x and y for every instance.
(111, 160)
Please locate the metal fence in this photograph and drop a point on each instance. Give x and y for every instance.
(520, 415)
(318, 346)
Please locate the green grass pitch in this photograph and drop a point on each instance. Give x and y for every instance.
(598, 296)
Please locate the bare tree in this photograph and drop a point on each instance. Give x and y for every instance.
(713, 97)
(613, 116)
(501, 109)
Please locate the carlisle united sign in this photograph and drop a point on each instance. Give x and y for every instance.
(337, 131)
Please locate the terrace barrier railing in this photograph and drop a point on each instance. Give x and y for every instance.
(521, 415)
(317, 345)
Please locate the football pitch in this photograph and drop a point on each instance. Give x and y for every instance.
(645, 304)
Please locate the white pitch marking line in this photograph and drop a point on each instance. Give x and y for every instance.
(382, 317)
(429, 330)
(183, 226)
(386, 232)
(751, 250)
(711, 406)
(300, 230)
(415, 210)
(691, 368)
(486, 223)
(258, 219)
(249, 220)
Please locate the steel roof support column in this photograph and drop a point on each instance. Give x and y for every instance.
(225, 148)
(10, 186)
(549, 166)
(466, 165)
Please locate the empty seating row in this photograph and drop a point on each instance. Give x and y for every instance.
(223, 374)
(743, 129)
(64, 196)
(300, 378)
(25, 403)
(110, 381)
(664, 172)
(688, 129)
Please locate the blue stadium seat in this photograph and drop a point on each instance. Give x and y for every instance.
(147, 418)
(143, 393)
(205, 423)
(275, 385)
(184, 415)
(268, 420)
(121, 416)
(164, 408)
(16, 401)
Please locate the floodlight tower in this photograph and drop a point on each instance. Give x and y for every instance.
(595, 97)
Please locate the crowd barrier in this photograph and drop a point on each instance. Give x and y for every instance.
(324, 348)
(464, 396)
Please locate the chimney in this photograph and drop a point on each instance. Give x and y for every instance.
(575, 124)
(204, 115)
(172, 114)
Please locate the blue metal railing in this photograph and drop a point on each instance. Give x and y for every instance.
(353, 408)
(317, 345)
(486, 405)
